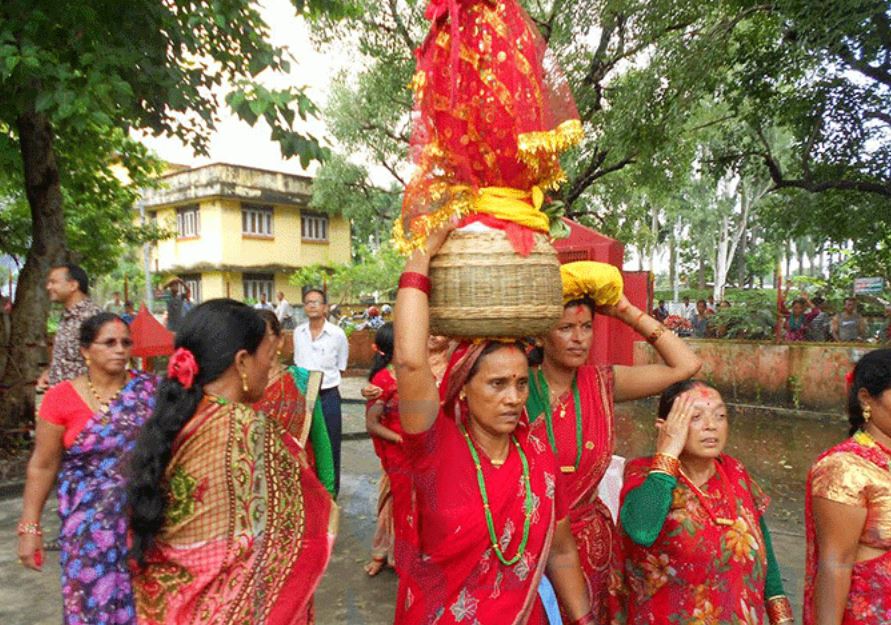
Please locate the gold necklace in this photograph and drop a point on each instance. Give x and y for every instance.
(103, 405)
(562, 405)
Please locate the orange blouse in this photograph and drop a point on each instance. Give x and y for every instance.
(849, 479)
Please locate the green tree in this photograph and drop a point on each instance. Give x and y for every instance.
(75, 78)
(656, 80)
(375, 272)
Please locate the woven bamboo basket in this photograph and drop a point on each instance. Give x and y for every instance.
(482, 288)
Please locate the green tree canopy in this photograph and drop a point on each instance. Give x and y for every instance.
(75, 79)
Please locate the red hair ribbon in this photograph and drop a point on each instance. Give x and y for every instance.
(182, 367)
(849, 379)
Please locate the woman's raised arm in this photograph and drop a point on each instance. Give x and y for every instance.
(418, 395)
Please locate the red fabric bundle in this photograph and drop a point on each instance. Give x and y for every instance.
(492, 109)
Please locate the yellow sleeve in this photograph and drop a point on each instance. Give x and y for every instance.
(842, 478)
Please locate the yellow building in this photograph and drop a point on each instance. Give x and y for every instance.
(241, 231)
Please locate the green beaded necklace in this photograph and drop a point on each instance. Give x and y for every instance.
(527, 504)
(545, 392)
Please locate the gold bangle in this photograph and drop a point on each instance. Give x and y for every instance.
(657, 332)
(779, 610)
(665, 463)
(32, 529)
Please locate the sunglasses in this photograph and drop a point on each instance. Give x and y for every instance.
(112, 343)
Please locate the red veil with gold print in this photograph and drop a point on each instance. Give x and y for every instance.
(492, 113)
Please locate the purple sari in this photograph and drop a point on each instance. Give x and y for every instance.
(96, 586)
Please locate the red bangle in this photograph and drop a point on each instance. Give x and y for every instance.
(588, 619)
(414, 280)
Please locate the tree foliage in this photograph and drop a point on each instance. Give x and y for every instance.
(75, 79)
(374, 273)
(790, 97)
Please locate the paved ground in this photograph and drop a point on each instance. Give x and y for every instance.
(346, 595)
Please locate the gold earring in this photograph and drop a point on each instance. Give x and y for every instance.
(867, 413)
(87, 359)
(462, 396)
(244, 384)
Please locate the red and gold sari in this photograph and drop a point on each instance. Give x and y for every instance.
(454, 576)
(856, 472)
(248, 529)
(592, 525)
(292, 398)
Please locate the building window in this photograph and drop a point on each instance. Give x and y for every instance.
(256, 284)
(256, 220)
(313, 227)
(188, 222)
(193, 287)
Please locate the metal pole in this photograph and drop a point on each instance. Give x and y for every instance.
(147, 261)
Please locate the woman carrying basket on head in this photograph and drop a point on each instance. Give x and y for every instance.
(571, 404)
(492, 522)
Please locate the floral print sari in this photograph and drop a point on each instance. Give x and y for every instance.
(96, 588)
(700, 569)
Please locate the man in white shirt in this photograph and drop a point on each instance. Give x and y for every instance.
(263, 304)
(689, 309)
(319, 345)
(284, 312)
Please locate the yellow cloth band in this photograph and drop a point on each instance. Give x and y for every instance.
(506, 203)
(600, 281)
(515, 205)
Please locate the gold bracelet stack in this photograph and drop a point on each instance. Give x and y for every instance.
(665, 463)
(32, 529)
(779, 611)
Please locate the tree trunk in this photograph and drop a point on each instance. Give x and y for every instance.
(721, 259)
(673, 262)
(654, 232)
(27, 355)
(700, 273)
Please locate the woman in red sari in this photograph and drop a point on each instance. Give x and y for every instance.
(394, 530)
(285, 401)
(571, 404)
(848, 509)
(697, 548)
(490, 514)
(230, 524)
(382, 424)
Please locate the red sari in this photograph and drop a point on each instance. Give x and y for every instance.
(855, 472)
(455, 576)
(592, 525)
(248, 529)
(395, 518)
(698, 570)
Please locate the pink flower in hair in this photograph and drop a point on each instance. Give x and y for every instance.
(182, 367)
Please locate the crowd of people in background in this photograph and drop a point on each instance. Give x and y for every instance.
(799, 319)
